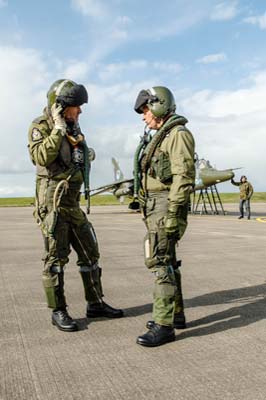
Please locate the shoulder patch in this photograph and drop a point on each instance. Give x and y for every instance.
(36, 134)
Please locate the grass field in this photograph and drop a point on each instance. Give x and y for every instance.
(103, 200)
(100, 200)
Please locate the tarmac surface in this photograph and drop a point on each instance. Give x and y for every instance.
(221, 355)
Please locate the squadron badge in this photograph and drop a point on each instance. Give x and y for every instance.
(36, 134)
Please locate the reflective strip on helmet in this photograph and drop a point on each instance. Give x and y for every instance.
(153, 91)
(60, 87)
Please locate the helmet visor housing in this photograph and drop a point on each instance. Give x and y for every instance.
(158, 99)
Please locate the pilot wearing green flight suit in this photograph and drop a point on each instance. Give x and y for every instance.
(164, 176)
(58, 149)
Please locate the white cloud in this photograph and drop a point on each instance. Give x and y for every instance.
(229, 127)
(259, 20)
(16, 191)
(92, 8)
(124, 20)
(119, 34)
(167, 67)
(224, 11)
(18, 166)
(113, 28)
(23, 75)
(237, 103)
(137, 67)
(212, 58)
(76, 70)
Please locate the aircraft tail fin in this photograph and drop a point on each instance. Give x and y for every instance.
(118, 174)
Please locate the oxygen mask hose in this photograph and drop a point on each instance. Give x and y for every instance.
(144, 140)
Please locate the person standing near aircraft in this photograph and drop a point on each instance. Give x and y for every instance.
(58, 149)
(164, 176)
(246, 192)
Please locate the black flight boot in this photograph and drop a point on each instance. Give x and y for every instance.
(157, 336)
(63, 321)
(103, 310)
(179, 321)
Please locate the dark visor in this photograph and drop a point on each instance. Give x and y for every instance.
(144, 97)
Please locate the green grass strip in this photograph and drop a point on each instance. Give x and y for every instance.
(105, 200)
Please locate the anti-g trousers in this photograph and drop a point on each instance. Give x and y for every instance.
(72, 230)
(160, 258)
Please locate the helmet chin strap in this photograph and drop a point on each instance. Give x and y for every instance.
(159, 120)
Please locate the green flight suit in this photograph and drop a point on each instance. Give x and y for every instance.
(66, 225)
(168, 180)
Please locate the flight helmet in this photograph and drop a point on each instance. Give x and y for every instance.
(159, 99)
(67, 93)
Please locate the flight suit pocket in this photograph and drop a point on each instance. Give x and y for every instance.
(150, 205)
(164, 168)
(150, 245)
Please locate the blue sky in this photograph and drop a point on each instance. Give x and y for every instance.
(210, 53)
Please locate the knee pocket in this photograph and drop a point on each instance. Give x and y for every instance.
(156, 247)
(165, 286)
(50, 280)
(150, 245)
(58, 249)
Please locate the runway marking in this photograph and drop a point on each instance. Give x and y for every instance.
(261, 219)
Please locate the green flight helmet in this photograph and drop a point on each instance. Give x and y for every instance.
(159, 99)
(67, 93)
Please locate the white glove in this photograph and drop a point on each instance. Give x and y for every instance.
(91, 154)
(59, 122)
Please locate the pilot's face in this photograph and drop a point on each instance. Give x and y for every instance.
(151, 121)
(71, 113)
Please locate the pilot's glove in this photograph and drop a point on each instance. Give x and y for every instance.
(91, 154)
(171, 223)
(59, 121)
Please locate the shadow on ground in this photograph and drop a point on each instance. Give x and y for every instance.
(252, 308)
(138, 310)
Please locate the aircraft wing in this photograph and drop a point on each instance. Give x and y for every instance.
(110, 187)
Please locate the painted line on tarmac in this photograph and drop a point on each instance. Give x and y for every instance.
(261, 219)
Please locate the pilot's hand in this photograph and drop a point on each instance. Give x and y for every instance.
(91, 154)
(59, 121)
(171, 225)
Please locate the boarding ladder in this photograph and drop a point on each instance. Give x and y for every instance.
(207, 202)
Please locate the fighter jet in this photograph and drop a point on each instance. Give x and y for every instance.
(119, 188)
(206, 176)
